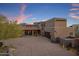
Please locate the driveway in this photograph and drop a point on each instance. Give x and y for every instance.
(37, 46)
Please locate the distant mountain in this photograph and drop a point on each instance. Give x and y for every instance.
(23, 24)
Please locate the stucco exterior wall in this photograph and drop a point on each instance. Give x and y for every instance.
(60, 29)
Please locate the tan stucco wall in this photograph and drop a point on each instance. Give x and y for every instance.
(72, 29)
(57, 28)
(60, 29)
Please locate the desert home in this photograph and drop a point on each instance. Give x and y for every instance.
(52, 28)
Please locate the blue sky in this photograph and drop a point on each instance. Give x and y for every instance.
(40, 11)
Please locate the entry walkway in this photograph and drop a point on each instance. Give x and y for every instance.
(37, 46)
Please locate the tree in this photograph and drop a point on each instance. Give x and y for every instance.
(2, 26)
(9, 29)
(14, 30)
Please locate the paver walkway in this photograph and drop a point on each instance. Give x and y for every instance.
(37, 46)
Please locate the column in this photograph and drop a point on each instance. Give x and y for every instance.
(32, 32)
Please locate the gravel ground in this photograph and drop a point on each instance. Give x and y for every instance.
(37, 46)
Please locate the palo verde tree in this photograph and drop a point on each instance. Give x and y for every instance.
(9, 29)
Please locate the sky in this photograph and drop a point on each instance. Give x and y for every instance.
(35, 12)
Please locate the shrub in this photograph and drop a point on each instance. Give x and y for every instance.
(9, 29)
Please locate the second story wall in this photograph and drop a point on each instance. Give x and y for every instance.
(60, 28)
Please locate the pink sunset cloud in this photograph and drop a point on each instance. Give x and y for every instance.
(74, 11)
(75, 4)
(75, 17)
(22, 16)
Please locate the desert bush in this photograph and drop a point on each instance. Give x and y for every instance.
(9, 29)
